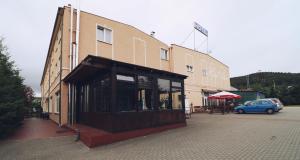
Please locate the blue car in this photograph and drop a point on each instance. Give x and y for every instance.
(258, 106)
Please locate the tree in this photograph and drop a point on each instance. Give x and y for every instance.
(12, 97)
(284, 86)
(29, 96)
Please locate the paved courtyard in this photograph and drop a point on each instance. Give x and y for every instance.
(36, 128)
(232, 136)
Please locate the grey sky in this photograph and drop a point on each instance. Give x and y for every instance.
(247, 35)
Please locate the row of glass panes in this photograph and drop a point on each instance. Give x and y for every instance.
(126, 93)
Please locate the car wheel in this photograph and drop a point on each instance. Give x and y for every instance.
(241, 111)
(270, 111)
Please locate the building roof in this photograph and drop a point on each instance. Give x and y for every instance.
(200, 53)
(93, 64)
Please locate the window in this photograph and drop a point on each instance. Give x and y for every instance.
(102, 95)
(176, 95)
(204, 72)
(126, 93)
(263, 102)
(104, 34)
(125, 78)
(57, 106)
(189, 68)
(144, 93)
(95, 95)
(164, 54)
(50, 104)
(85, 97)
(164, 92)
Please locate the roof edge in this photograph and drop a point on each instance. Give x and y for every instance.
(173, 44)
(126, 25)
(60, 9)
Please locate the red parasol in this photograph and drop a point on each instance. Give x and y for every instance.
(224, 95)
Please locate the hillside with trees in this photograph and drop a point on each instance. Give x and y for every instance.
(285, 86)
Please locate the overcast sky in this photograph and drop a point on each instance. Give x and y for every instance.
(248, 35)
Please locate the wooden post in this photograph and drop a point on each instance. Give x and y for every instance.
(182, 96)
(155, 92)
(114, 108)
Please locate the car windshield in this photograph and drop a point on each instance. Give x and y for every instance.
(247, 102)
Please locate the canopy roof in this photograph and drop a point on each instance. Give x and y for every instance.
(94, 65)
(224, 95)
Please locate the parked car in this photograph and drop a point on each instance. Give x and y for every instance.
(258, 106)
(278, 103)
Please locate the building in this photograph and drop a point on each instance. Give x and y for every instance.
(90, 55)
(206, 75)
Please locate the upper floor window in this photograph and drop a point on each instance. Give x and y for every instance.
(164, 54)
(189, 68)
(104, 34)
(204, 72)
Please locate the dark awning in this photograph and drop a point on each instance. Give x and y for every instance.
(209, 91)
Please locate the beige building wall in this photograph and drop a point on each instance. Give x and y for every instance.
(207, 73)
(128, 44)
(54, 69)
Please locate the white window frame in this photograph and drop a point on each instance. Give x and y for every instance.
(105, 30)
(164, 55)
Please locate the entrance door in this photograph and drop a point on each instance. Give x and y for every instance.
(187, 105)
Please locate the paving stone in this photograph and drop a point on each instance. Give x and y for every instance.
(208, 137)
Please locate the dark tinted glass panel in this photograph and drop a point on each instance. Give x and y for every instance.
(163, 93)
(95, 96)
(102, 95)
(125, 96)
(176, 98)
(176, 84)
(144, 82)
(144, 93)
(144, 99)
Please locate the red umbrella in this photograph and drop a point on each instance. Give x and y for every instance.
(224, 95)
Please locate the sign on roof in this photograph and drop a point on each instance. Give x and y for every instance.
(200, 29)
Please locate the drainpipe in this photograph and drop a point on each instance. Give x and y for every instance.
(60, 76)
(70, 63)
(71, 40)
(77, 32)
(75, 61)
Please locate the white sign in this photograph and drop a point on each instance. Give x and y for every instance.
(200, 29)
